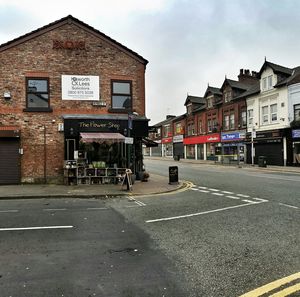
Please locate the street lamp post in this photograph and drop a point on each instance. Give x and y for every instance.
(253, 135)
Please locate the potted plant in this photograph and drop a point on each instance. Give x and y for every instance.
(145, 176)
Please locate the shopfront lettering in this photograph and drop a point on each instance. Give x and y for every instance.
(93, 124)
(69, 44)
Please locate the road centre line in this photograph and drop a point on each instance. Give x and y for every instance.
(194, 189)
(218, 194)
(271, 286)
(214, 190)
(226, 192)
(199, 213)
(10, 210)
(204, 191)
(204, 188)
(242, 195)
(54, 209)
(249, 201)
(97, 208)
(233, 197)
(287, 205)
(35, 228)
(259, 199)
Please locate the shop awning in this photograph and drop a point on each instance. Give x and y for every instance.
(149, 142)
(102, 137)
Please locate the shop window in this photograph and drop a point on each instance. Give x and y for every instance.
(121, 95)
(37, 94)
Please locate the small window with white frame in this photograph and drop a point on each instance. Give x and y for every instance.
(250, 117)
(265, 115)
(273, 111)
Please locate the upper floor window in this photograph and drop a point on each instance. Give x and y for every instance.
(243, 118)
(209, 126)
(200, 126)
(273, 111)
(250, 117)
(158, 133)
(226, 122)
(167, 130)
(267, 83)
(227, 96)
(265, 115)
(191, 129)
(231, 121)
(121, 95)
(210, 102)
(297, 112)
(178, 128)
(37, 94)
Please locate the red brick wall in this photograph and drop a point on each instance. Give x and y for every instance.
(36, 57)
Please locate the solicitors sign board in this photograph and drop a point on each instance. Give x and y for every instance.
(80, 87)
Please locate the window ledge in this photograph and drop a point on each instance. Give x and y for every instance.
(38, 109)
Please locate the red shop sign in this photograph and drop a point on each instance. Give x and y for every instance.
(202, 139)
(167, 140)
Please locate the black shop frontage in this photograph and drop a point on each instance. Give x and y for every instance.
(105, 141)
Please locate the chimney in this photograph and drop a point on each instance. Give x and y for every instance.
(246, 77)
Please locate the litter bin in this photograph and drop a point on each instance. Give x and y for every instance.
(262, 161)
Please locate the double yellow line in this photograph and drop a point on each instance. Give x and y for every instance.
(275, 285)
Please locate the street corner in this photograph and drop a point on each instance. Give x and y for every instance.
(285, 286)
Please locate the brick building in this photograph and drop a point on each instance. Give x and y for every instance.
(59, 84)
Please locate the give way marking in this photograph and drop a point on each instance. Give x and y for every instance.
(276, 285)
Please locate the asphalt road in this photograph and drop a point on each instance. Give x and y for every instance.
(91, 251)
(234, 231)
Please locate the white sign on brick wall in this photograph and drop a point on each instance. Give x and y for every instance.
(80, 87)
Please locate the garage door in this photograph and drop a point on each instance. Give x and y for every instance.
(9, 161)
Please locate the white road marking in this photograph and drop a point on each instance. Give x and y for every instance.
(199, 213)
(194, 189)
(54, 209)
(287, 205)
(249, 201)
(36, 228)
(97, 208)
(202, 187)
(259, 199)
(204, 191)
(215, 190)
(233, 197)
(242, 195)
(140, 203)
(226, 192)
(10, 210)
(218, 194)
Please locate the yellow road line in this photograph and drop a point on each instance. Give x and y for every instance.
(287, 291)
(271, 286)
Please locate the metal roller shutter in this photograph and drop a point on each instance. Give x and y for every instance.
(9, 161)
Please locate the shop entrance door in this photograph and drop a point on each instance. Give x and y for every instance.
(9, 161)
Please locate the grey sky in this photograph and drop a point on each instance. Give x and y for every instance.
(188, 43)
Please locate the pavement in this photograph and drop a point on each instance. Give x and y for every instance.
(268, 168)
(156, 184)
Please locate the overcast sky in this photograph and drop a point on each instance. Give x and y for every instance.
(188, 43)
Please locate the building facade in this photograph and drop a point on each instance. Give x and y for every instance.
(67, 88)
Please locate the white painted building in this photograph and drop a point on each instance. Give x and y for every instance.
(268, 116)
